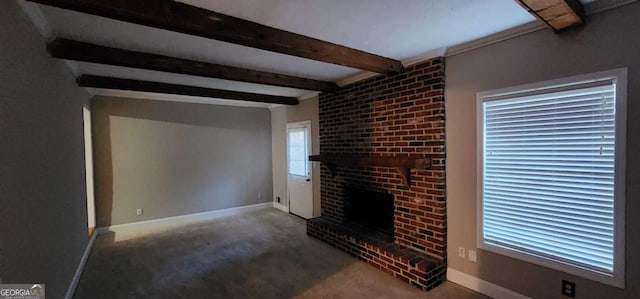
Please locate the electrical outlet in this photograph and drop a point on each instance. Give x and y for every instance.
(278, 199)
(568, 289)
(259, 196)
(473, 256)
(461, 252)
(139, 212)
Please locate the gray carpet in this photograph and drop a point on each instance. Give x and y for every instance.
(263, 254)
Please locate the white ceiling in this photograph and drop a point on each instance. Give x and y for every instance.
(396, 29)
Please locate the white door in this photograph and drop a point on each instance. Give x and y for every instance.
(88, 158)
(299, 169)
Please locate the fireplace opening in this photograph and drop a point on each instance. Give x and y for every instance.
(369, 208)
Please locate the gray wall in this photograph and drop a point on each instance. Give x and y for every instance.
(609, 40)
(173, 159)
(280, 116)
(43, 216)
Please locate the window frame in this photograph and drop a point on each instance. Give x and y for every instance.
(619, 77)
(298, 125)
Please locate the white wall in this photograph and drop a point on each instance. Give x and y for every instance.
(609, 40)
(173, 159)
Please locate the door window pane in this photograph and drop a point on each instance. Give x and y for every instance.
(298, 164)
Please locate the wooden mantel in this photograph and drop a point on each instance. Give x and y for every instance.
(403, 164)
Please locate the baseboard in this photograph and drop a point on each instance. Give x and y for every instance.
(281, 207)
(482, 286)
(76, 277)
(136, 229)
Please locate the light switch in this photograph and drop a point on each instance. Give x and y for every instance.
(473, 256)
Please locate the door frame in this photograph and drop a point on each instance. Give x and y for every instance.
(89, 175)
(299, 124)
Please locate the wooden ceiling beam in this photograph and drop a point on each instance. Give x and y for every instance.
(81, 51)
(188, 19)
(177, 89)
(556, 14)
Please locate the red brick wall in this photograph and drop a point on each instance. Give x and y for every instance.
(399, 115)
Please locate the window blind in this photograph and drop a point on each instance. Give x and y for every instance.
(548, 174)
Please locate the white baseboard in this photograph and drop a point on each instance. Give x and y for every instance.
(482, 286)
(281, 207)
(137, 229)
(76, 277)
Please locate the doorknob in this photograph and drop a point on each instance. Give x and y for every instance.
(308, 180)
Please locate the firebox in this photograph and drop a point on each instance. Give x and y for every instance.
(370, 208)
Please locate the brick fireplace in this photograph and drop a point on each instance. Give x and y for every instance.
(387, 118)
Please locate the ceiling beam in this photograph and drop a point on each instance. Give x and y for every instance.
(556, 14)
(177, 89)
(81, 51)
(184, 18)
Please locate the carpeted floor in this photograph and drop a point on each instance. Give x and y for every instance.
(263, 254)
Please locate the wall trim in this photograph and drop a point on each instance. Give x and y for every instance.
(405, 63)
(281, 207)
(146, 226)
(309, 95)
(604, 5)
(482, 286)
(496, 38)
(154, 96)
(83, 261)
(590, 9)
(438, 52)
(533, 26)
(356, 78)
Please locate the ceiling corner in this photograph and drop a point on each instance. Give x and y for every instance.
(37, 17)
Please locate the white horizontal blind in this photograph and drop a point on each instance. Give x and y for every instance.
(548, 174)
